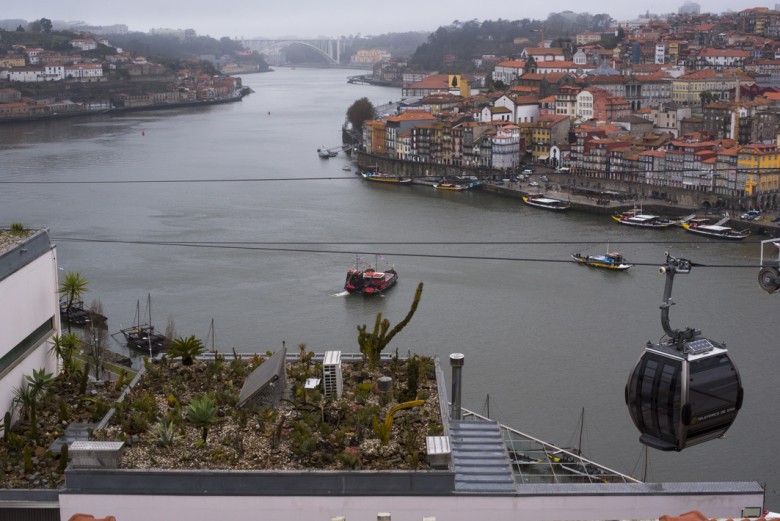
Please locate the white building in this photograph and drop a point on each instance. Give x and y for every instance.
(29, 308)
(84, 71)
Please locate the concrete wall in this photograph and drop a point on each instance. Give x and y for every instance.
(28, 298)
(528, 506)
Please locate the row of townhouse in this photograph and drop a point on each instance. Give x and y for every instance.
(53, 72)
(716, 166)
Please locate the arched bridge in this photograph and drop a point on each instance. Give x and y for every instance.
(330, 49)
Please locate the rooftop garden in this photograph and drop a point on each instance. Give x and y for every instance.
(183, 411)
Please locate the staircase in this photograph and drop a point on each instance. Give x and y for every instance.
(480, 459)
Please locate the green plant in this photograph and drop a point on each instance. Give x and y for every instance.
(17, 229)
(73, 285)
(64, 346)
(186, 348)
(350, 457)
(202, 412)
(382, 430)
(27, 459)
(165, 431)
(6, 425)
(372, 344)
(63, 458)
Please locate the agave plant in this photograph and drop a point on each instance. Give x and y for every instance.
(202, 412)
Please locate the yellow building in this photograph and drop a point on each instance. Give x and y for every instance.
(760, 166)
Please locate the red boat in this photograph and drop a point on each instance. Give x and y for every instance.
(377, 282)
(368, 281)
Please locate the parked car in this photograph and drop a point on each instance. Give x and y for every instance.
(562, 170)
(544, 179)
(528, 171)
(750, 215)
(533, 183)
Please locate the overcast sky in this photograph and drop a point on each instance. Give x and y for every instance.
(310, 18)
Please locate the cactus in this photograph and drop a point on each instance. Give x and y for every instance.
(372, 344)
(6, 425)
(63, 457)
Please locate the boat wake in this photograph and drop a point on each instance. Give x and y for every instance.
(341, 294)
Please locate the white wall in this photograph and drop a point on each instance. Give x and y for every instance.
(27, 299)
(453, 508)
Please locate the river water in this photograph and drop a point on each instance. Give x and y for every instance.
(542, 337)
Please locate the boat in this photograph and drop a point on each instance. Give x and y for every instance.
(450, 186)
(547, 203)
(79, 315)
(610, 261)
(369, 281)
(377, 282)
(385, 178)
(716, 231)
(326, 153)
(346, 168)
(142, 336)
(643, 220)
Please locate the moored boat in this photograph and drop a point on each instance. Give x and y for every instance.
(143, 336)
(716, 231)
(610, 261)
(642, 220)
(79, 315)
(547, 203)
(450, 186)
(385, 178)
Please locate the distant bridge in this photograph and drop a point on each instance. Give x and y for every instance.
(330, 49)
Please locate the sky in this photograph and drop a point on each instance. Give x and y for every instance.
(309, 18)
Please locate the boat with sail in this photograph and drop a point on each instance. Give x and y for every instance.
(142, 335)
(701, 226)
(548, 203)
(382, 177)
(609, 261)
(368, 281)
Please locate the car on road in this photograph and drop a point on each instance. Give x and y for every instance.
(528, 171)
(544, 179)
(533, 183)
(751, 215)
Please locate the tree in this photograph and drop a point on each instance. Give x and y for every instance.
(202, 412)
(187, 348)
(46, 25)
(372, 344)
(71, 287)
(63, 347)
(27, 396)
(359, 112)
(20, 29)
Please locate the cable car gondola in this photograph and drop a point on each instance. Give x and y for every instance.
(684, 390)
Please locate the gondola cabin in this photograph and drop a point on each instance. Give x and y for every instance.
(681, 397)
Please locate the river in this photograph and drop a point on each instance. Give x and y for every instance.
(542, 337)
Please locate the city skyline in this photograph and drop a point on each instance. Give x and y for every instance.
(304, 18)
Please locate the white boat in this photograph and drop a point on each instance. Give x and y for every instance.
(547, 203)
(326, 153)
(716, 231)
(642, 220)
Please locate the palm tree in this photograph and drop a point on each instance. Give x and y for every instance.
(27, 396)
(202, 412)
(71, 287)
(187, 348)
(63, 346)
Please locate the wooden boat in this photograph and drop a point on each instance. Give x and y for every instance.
(385, 178)
(450, 186)
(716, 231)
(377, 282)
(610, 261)
(548, 203)
(642, 220)
(369, 281)
(142, 336)
(79, 315)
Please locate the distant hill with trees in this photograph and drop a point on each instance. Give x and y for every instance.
(454, 48)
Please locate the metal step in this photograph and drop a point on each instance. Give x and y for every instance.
(479, 458)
